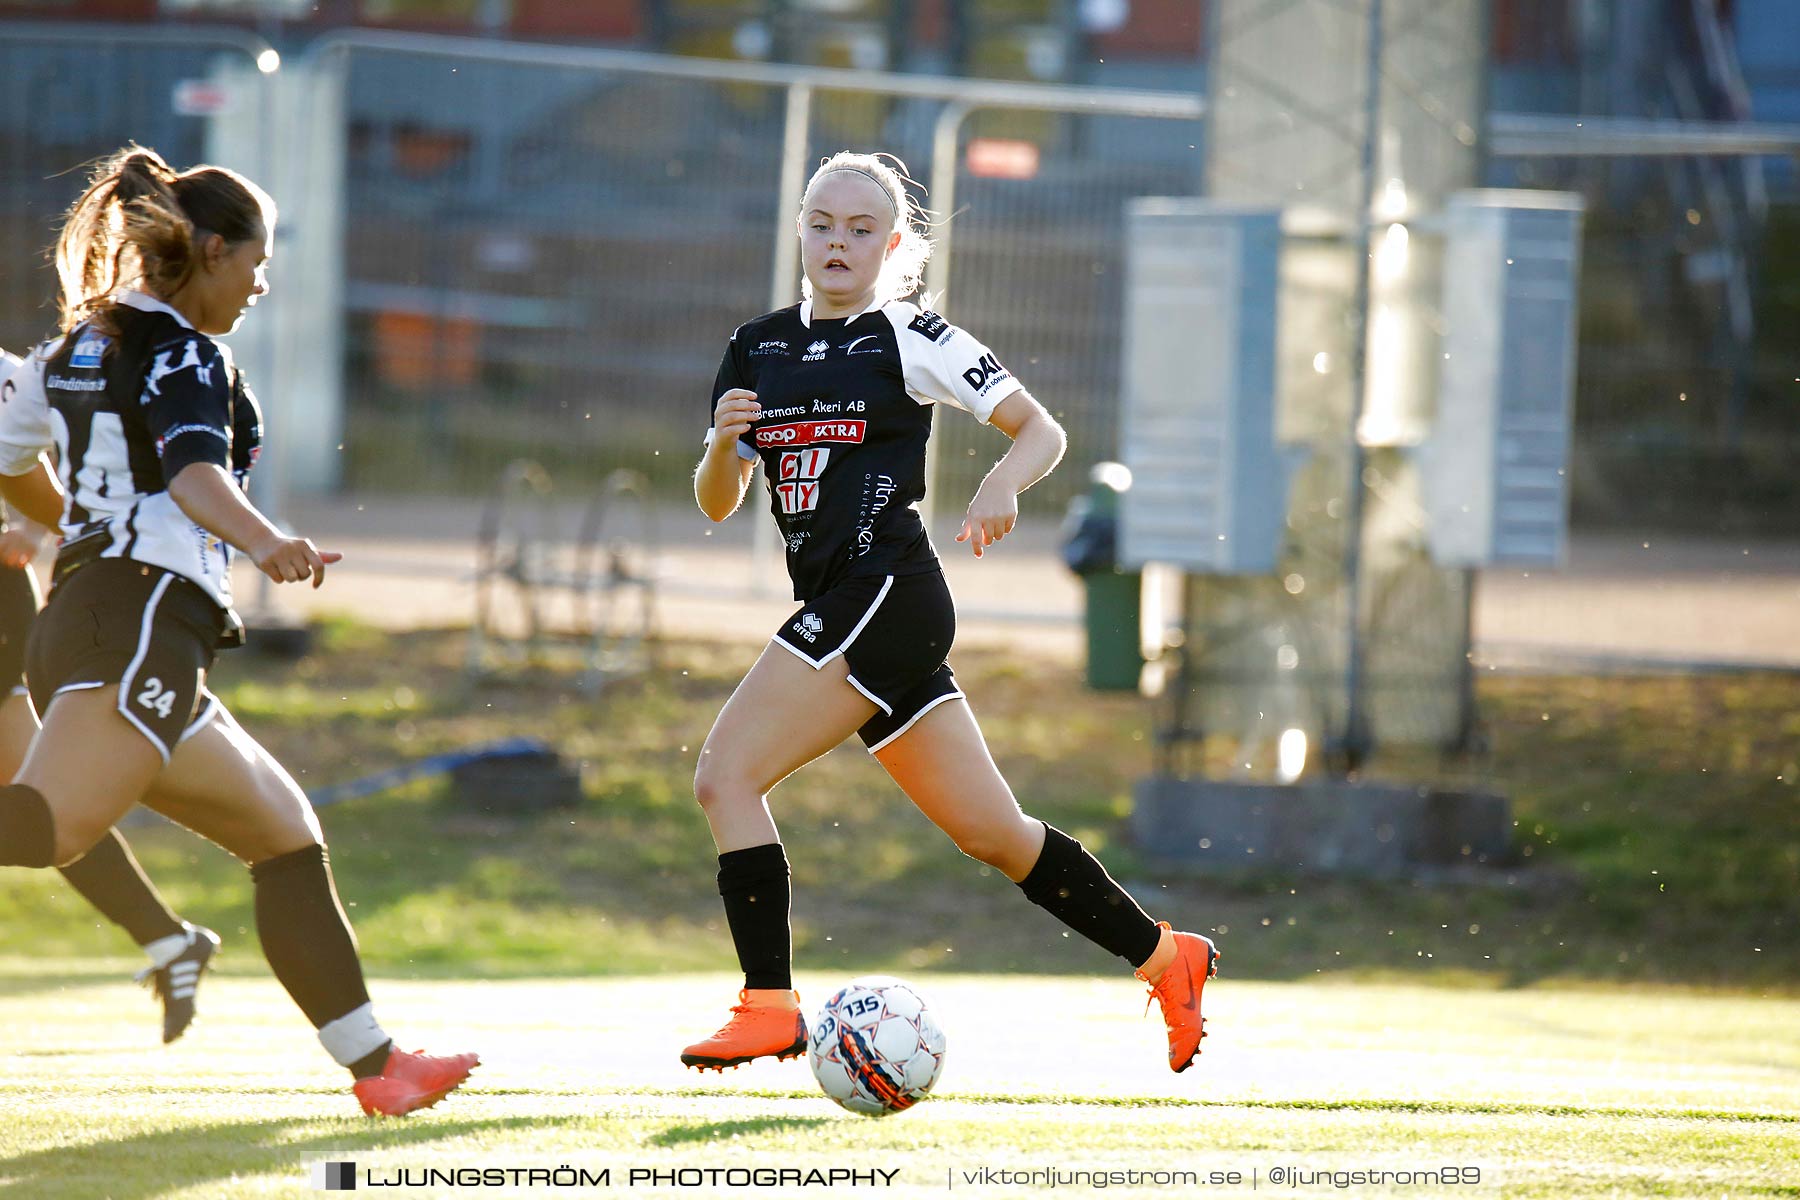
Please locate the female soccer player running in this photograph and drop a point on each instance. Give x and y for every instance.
(107, 876)
(152, 426)
(834, 396)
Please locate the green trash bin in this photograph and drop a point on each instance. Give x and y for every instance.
(1113, 595)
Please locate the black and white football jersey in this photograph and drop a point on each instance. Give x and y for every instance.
(846, 412)
(125, 415)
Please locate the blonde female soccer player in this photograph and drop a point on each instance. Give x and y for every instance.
(834, 395)
(145, 411)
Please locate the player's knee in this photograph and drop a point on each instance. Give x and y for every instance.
(999, 846)
(75, 836)
(275, 841)
(1008, 846)
(712, 783)
(278, 820)
(283, 831)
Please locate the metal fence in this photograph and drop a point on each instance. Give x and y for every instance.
(71, 93)
(542, 250)
(554, 270)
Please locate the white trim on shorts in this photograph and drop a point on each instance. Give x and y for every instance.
(883, 705)
(915, 719)
(207, 715)
(886, 586)
(128, 681)
(211, 710)
(818, 664)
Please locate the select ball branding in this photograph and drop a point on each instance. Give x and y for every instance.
(876, 1048)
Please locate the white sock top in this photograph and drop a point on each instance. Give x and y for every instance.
(353, 1036)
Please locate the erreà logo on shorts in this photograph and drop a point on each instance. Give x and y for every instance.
(809, 626)
(985, 374)
(815, 352)
(805, 433)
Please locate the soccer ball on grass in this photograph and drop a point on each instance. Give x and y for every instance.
(875, 1047)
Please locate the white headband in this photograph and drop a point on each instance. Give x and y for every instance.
(885, 194)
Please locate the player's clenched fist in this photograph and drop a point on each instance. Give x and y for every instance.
(733, 415)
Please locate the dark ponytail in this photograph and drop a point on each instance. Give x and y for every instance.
(140, 224)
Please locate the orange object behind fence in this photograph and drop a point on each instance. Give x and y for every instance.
(419, 351)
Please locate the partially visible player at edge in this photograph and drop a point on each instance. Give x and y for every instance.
(834, 395)
(108, 876)
(143, 410)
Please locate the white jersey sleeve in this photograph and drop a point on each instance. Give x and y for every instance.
(946, 365)
(24, 410)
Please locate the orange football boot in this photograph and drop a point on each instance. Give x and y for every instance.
(1178, 991)
(412, 1081)
(762, 1022)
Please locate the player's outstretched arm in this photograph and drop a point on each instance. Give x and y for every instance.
(213, 501)
(1038, 445)
(724, 474)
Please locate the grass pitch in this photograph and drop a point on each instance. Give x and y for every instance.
(1559, 1093)
(1657, 837)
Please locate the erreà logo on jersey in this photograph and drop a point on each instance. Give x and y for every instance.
(985, 374)
(806, 433)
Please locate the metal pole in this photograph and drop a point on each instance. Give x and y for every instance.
(269, 486)
(1467, 741)
(1357, 741)
(945, 139)
(783, 284)
(783, 288)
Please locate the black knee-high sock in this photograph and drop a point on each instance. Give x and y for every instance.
(757, 892)
(109, 878)
(307, 939)
(27, 832)
(1072, 886)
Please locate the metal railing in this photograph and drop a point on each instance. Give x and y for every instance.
(544, 248)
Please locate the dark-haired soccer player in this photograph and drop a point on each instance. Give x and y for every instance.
(144, 411)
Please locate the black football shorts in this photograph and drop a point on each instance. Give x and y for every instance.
(894, 631)
(19, 604)
(148, 633)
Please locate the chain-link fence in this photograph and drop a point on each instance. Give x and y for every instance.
(1685, 417)
(545, 252)
(543, 261)
(69, 94)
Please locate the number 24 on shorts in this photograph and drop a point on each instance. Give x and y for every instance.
(156, 698)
